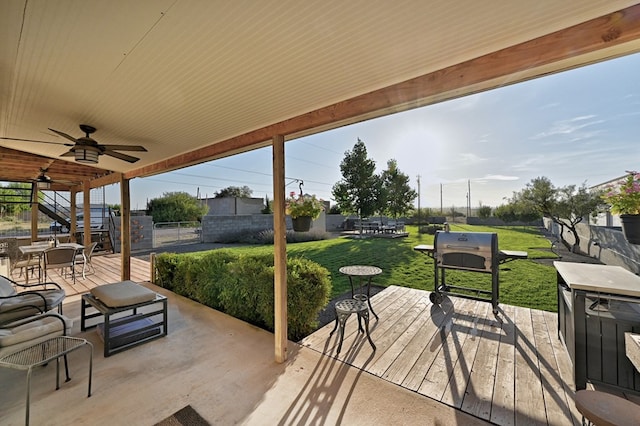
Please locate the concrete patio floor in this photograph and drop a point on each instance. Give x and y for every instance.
(222, 367)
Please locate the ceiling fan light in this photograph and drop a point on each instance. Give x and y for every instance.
(86, 154)
(43, 184)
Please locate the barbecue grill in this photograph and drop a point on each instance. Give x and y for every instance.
(466, 251)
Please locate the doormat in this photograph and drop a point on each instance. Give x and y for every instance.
(184, 417)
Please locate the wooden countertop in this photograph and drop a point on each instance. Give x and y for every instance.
(599, 278)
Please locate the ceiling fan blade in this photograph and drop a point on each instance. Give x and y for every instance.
(70, 153)
(124, 148)
(63, 134)
(36, 141)
(120, 156)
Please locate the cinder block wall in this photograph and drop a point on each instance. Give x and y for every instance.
(219, 228)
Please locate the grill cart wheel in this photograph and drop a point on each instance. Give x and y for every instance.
(436, 298)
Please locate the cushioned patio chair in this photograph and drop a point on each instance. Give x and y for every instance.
(22, 262)
(36, 299)
(29, 331)
(59, 258)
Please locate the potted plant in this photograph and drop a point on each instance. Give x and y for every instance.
(303, 209)
(623, 198)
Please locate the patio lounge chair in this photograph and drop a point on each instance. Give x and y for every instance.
(29, 331)
(35, 300)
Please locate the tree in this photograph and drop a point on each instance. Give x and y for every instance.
(176, 207)
(234, 191)
(517, 211)
(358, 192)
(484, 211)
(10, 197)
(399, 196)
(567, 206)
(268, 206)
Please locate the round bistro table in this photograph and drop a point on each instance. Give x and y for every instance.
(363, 273)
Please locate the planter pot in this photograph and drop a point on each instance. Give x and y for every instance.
(631, 227)
(301, 224)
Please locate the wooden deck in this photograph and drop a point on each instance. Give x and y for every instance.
(107, 270)
(512, 372)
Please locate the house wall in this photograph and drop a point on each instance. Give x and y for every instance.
(234, 206)
(607, 244)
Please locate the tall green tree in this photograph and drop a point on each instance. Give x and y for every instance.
(567, 206)
(358, 192)
(398, 195)
(234, 191)
(176, 207)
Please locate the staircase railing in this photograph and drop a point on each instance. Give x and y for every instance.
(56, 206)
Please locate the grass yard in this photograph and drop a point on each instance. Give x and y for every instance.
(522, 282)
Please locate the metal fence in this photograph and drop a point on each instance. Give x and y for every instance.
(172, 233)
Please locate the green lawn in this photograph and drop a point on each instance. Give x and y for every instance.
(522, 282)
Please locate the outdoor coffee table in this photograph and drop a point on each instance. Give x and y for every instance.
(125, 324)
(43, 352)
(362, 272)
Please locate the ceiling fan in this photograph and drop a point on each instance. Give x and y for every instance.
(87, 150)
(44, 181)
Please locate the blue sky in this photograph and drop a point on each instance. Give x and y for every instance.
(578, 126)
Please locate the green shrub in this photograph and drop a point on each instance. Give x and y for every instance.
(242, 285)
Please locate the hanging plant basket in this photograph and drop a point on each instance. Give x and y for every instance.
(631, 227)
(301, 224)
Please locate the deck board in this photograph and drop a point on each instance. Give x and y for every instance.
(512, 371)
(107, 270)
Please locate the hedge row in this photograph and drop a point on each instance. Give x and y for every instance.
(243, 286)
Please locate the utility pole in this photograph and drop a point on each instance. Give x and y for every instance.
(441, 199)
(418, 200)
(469, 201)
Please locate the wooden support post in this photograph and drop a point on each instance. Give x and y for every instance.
(34, 211)
(152, 266)
(125, 229)
(280, 251)
(86, 208)
(73, 226)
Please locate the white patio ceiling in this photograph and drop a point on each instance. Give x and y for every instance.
(181, 76)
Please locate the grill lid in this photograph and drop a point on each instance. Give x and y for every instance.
(476, 251)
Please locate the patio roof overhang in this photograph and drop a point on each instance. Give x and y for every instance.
(193, 82)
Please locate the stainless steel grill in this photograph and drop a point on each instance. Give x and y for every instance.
(467, 251)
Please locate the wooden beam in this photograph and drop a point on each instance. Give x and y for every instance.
(280, 251)
(103, 181)
(507, 66)
(125, 229)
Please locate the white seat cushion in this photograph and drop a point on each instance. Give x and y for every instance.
(121, 294)
(21, 334)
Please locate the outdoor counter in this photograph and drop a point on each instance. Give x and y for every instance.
(597, 304)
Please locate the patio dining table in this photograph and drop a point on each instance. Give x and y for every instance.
(36, 250)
